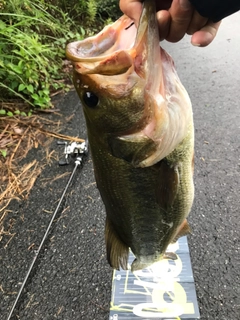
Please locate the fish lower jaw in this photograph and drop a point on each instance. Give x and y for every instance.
(144, 262)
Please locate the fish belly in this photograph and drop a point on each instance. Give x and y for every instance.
(145, 207)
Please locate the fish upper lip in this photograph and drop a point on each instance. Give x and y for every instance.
(110, 52)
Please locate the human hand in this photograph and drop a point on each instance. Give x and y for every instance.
(175, 19)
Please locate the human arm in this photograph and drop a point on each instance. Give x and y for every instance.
(216, 10)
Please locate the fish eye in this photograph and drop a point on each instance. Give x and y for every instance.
(90, 99)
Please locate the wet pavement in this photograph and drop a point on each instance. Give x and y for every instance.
(71, 279)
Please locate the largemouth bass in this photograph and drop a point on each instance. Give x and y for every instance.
(140, 130)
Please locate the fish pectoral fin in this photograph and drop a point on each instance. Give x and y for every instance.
(168, 184)
(132, 148)
(117, 251)
(183, 230)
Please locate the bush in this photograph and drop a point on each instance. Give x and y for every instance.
(109, 9)
(32, 46)
(33, 36)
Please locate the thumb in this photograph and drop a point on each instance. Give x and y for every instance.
(132, 9)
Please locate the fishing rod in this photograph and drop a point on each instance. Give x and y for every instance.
(77, 150)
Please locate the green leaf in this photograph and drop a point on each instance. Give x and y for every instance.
(30, 88)
(2, 25)
(21, 87)
(2, 112)
(14, 84)
(82, 31)
(4, 153)
(15, 68)
(45, 91)
(10, 114)
(16, 112)
(35, 96)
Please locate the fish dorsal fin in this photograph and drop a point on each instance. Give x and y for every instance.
(117, 251)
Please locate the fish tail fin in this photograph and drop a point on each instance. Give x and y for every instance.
(117, 251)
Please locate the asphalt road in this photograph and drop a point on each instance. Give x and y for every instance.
(72, 279)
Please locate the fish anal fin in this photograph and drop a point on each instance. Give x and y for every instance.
(168, 184)
(117, 251)
(183, 230)
(133, 148)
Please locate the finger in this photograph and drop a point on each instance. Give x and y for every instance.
(196, 23)
(181, 12)
(164, 20)
(205, 36)
(132, 8)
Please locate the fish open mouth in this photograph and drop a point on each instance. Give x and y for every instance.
(110, 52)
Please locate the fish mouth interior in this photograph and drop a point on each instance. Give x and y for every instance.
(120, 35)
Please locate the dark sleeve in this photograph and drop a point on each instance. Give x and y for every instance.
(216, 9)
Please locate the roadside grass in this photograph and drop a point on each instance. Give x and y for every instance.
(17, 138)
(33, 69)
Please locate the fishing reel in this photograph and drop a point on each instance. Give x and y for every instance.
(73, 150)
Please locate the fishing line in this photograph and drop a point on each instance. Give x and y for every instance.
(74, 149)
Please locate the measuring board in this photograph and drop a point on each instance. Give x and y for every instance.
(163, 291)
